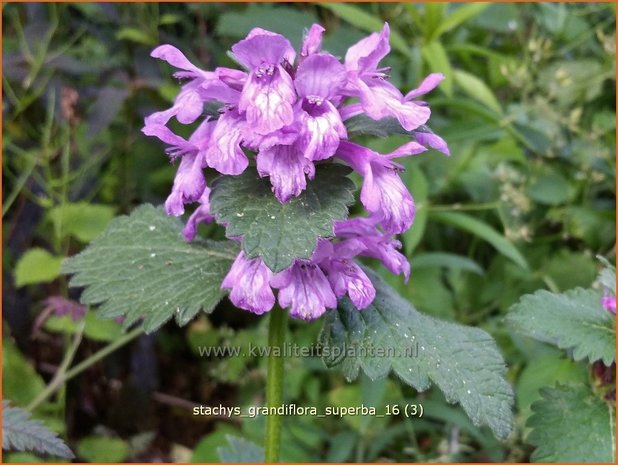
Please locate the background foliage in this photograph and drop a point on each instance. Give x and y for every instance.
(526, 202)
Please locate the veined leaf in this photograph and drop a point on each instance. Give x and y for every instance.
(280, 233)
(571, 424)
(574, 320)
(240, 450)
(477, 89)
(83, 220)
(21, 433)
(362, 124)
(391, 334)
(484, 231)
(141, 267)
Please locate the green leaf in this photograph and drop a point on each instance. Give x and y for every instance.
(101, 449)
(607, 277)
(436, 57)
(574, 320)
(83, 220)
(571, 424)
(357, 17)
(240, 451)
(363, 125)
(95, 328)
(141, 267)
(550, 189)
(447, 260)
(205, 451)
(37, 266)
(20, 381)
(280, 233)
(458, 17)
(542, 371)
(477, 89)
(463, 362)
(484, 231)
(135, 35)
(21, 433)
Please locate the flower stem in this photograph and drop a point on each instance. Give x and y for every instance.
(64, 374)
(274, 382)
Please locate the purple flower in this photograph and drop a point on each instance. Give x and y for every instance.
(609, 303)
(383, 193)
(200, 215)
(225, 153)
(268, 94)
(432, 140)
(286, 166)
(346, 277)
(305, 289)
(189, 183)
(319, 78)
(249, 282)
(378, 97)
(373, 243)
(312, 43)
(280, 117)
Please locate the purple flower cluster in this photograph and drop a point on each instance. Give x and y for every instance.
(290, 112)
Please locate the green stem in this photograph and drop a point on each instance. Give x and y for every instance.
(63, 375)
(274, 383)
(57, 380)
(464, 207)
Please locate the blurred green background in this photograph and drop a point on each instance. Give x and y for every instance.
(526, 201)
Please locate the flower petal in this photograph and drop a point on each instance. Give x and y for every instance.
(307, 293)
(434, 141)
(320, 76)
(249, 281)
(320, 131)
(176, 58)
(346, 277)
(189, 184)
(365, 55)
(286, 167)
(262, 47)
(200, 215)
(312, 43)
(225, 154)
(267, 99)
(428, 84)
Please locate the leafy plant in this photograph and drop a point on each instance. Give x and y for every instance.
(21, 433)
(574, 421)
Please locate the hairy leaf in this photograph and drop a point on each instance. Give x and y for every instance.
(571, 424)
(574, 320)
(141, 267)
(240, 451)
(280, 233)
(362, 124)
(463, 362)
(21, 433)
